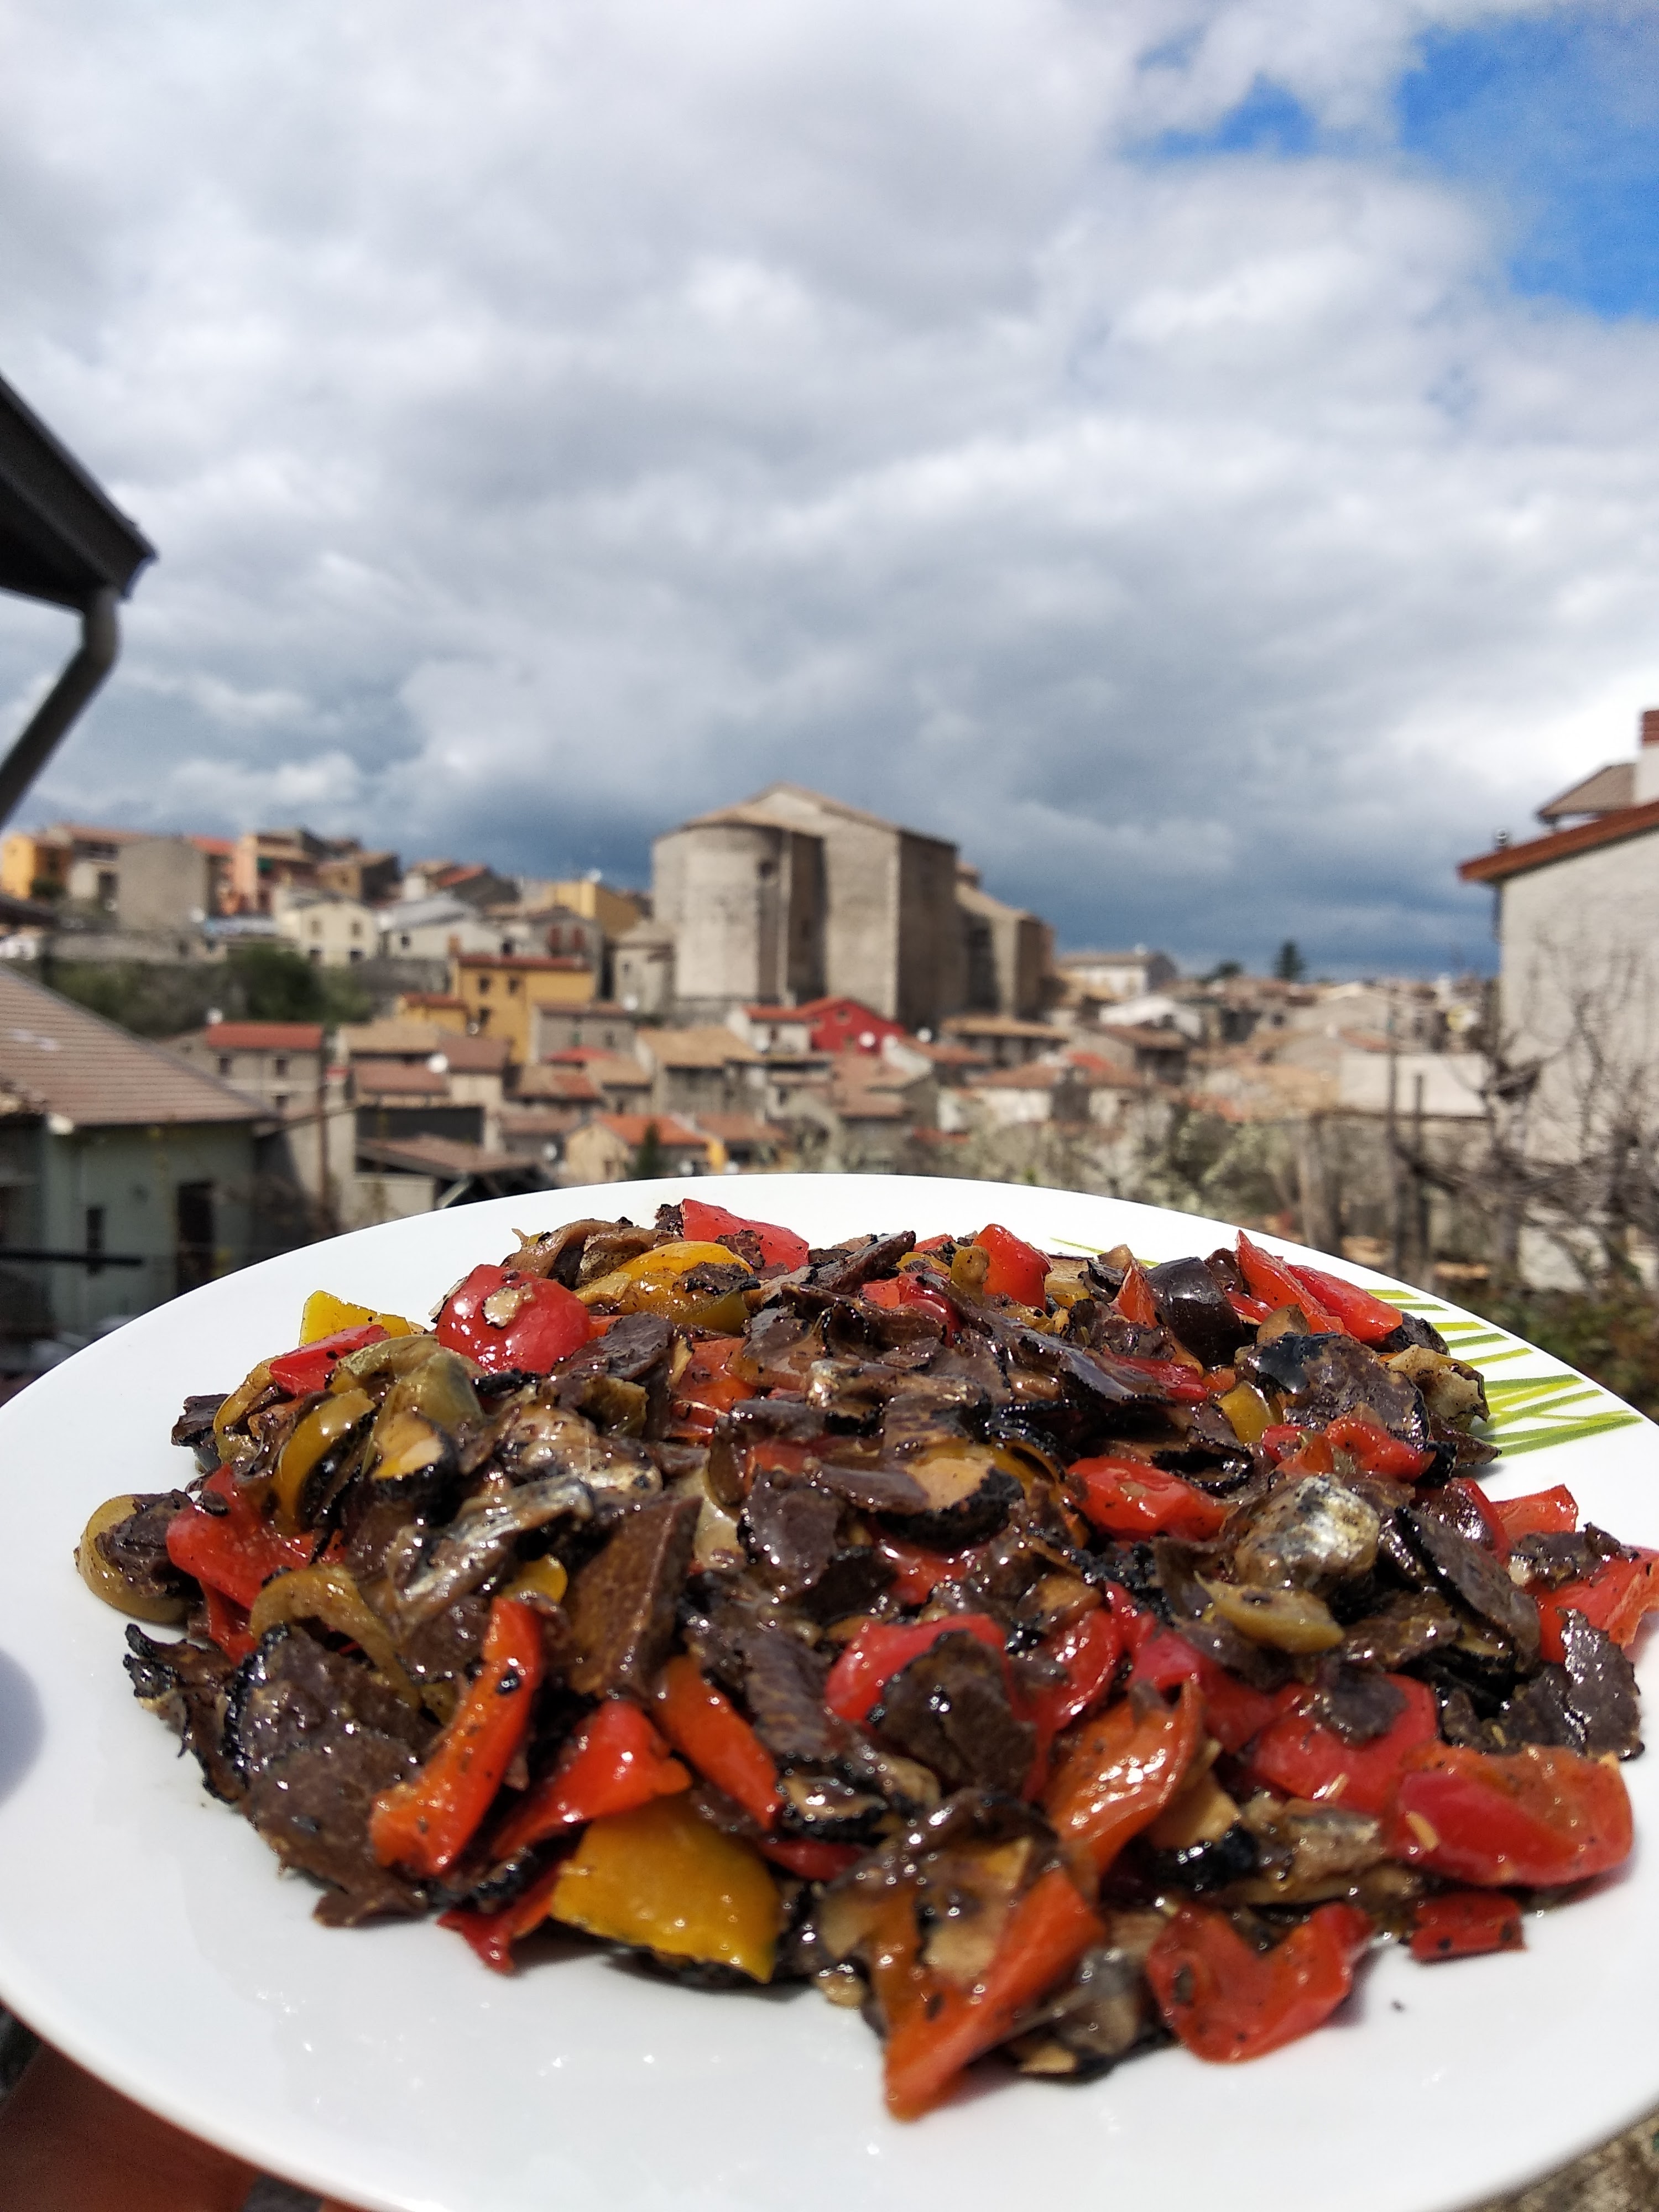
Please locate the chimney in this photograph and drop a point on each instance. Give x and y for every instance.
(1647, 759)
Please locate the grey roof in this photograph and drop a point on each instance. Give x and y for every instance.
(56, 1058)
(1608, 789)
(421, 913)
(61, 536)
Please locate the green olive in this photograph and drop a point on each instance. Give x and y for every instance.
(105, 1582)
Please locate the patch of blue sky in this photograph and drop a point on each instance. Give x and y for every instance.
(1556, 119)
(1553, 120)
(1267, 120)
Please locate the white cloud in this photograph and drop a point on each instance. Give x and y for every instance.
(554, 421)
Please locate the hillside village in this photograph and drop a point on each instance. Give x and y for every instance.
(803, 985)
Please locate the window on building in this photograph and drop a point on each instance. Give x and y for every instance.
(513, 986)
(354, 952)
(279, 1066)
(109, 885)
(279, 1100)
(95, 1239)
(484, 987)
(356, 929)
(403, 942)
(226, 1063)
(315, 955)
(193, 1216)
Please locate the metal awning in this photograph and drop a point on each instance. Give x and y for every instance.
(64, 541)
(61, 538)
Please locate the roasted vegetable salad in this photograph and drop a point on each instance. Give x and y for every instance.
(1048, 1657)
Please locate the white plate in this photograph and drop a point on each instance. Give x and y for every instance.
(145, 1929)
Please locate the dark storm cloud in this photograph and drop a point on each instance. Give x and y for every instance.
(557, 421)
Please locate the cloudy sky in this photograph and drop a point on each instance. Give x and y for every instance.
(1202, 455)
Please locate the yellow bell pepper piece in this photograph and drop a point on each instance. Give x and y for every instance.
(651, 1283)
(545, 1577)
(1249, 1411)
(666, 1881)
(326, 1316)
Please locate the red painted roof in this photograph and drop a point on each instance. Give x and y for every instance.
(1539, 851)
(264, 1036)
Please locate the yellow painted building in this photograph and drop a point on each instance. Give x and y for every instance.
(614, 911)
(34, 867)
(502, 991)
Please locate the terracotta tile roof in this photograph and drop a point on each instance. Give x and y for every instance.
(713, 1046)
(439, 1156)
(741, 1129)
(473, 1055)
(571, 1086)
(56, 1058)
(631, 1128)
(539, 1121)
(615, 1070)
(861, 1105)
(394, 1040)
(539, 962)
(261, 1037)
(1539, 851)
(397, 1078)
(999, 1025)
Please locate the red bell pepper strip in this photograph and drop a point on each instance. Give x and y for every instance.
(917, 1573)
(1540, 1513)
(547, 1323)
(1376, 1451)
(226, 1622)
(1280, 1438)
(812, 1861)
(1298, 1756)
(1135, 1300)
(1170, 1378)
(308, 1367)
(1233, 1712)
(911, 1289)
(708, 1731)
(1118, 1773)
(1018, 1270)
(876, 1653)
(1272, 1280)
(1460, 1491)
(236, 1551)
(426, 1823)
(1462, 1923)
(936, 2027)
(706, 1388)
(1254, 1310)
(1089, 1651)
(1227, 2001)
(1133, 1497)
(614, 1762)
(492, 1935)
(703, 1223)
(1540, 1816)
(1616, 1598)
(1370, 1319)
